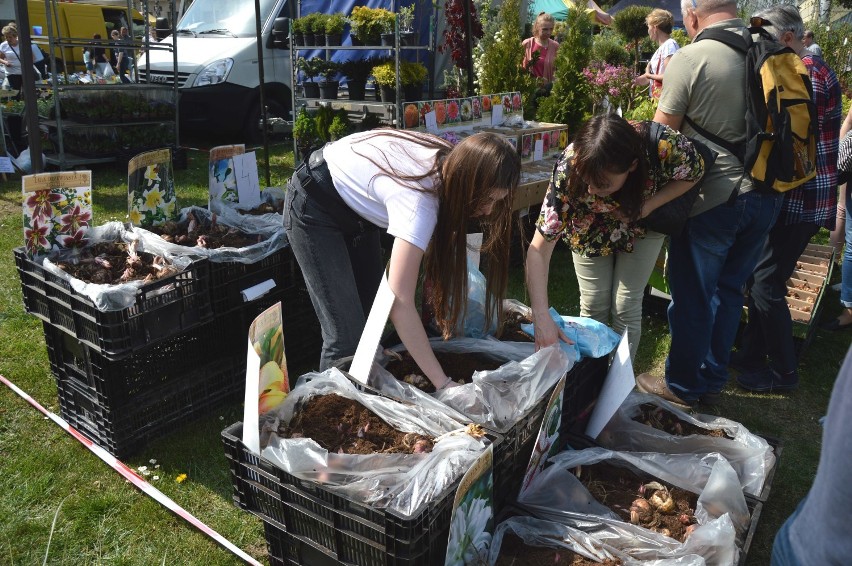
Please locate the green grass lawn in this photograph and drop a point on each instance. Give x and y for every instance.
(59, 500)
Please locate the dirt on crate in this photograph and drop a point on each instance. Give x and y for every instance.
(664, 420)
(111, 263)
(515, 552)
(642, 501)
(346, 426)
(210, 235)
(459, 366)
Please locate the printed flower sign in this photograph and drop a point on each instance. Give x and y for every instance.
(150, 189)
(222, 182)
(472, 522)
(57, 209)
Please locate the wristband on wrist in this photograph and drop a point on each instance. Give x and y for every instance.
(445, 384)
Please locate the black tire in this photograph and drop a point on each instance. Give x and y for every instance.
(252, 132)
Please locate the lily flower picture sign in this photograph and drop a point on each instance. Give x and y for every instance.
(57, 210)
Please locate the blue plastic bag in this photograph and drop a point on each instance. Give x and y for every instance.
(473, 324)
(591, 338)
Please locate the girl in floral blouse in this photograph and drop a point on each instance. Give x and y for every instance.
(602, 186)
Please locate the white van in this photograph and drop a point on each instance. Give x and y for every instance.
(217, 66)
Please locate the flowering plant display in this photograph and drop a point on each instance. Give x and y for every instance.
(151, 196)
(455, 34)
(612, 82)
(57, 210)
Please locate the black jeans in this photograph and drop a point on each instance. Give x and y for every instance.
(769, 331)
(340, 258)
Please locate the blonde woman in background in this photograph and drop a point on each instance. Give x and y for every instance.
(541, 43)
(660, 24)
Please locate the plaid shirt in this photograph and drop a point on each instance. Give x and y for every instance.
(815, 202)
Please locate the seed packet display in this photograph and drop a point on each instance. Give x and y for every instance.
(547, 443)
(222, 182)
(453, 111)
(410, 115)
(151, 196)
(57, 210)
(526, 147)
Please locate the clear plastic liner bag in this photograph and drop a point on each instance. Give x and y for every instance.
(750, 456)
(591, 338)
(722, 514)
(270, 195)
(271, 238)
(495, 399)
(401, 482)
(543, 533)
(473, 323)
(111, 297)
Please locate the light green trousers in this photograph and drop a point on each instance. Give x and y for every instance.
(611, 287)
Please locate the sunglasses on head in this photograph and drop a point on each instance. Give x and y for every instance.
(759, 22)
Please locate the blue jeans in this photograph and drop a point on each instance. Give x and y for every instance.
(342, 269)
(846, 281)
(782, 551)
(710, 263)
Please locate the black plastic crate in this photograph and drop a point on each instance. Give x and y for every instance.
(123, 421)
(163, 308)
(305, 519)
(302, 334)
(582, 388)
(229, 279)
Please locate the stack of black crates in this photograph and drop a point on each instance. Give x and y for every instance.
(129, 376)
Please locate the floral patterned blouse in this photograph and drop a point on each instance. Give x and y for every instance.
(586, 223)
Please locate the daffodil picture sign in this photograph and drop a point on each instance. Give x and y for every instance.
(472, 521)
(57, 210)
(151, 196)
(267, 380)
(222, 177)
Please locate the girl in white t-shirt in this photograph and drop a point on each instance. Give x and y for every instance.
(660, 24)
(424, 193)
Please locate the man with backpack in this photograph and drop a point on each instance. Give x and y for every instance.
(713, 257)
(805, 210)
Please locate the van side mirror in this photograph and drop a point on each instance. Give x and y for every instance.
(280, 29)
(163, 28)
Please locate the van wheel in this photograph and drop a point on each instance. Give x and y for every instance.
(252, 131)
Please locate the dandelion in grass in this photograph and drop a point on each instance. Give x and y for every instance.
(180, 478)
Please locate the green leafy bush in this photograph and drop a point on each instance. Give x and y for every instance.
(304, 130)
(630, 25)
(609, 48)
(334, 23)
(836, 50)
(644, 110)
(681, 37)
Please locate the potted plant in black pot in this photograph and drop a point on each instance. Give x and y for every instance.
(366, 24)
(328, 87)
(334, 25)
(318, 27)
(308, 29)
(357, 72)
(407, 35)
(311, 68)
(297, 31)
(412, 76)
(385, 76)
(388, 23)
(305, 131)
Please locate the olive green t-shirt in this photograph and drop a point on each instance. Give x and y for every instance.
(706, 81)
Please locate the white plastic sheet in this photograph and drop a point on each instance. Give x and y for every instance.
(543, 533)
(557, 495)
(272, 238)
(495, 399)
(750, 456)
(401, 482)
(110, 297)
(272, 195)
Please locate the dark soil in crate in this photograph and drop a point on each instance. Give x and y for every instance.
(660, 419)
(345, 426)
(669, 511)
(210, 235)
(515, 552)
(112, 263)
(512, 328)
(263, 208)
(459, 366)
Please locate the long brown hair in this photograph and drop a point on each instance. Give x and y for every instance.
(464, 177)
(609, 143)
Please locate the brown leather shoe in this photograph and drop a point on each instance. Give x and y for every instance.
(656, 385)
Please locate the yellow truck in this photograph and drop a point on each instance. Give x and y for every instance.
(78, 23)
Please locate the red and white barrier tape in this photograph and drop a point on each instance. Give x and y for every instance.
(135, 478)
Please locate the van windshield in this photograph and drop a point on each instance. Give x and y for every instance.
(237, 18)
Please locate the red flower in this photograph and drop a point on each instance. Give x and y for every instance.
(41, 204)
(78, 240)
(74, 220)
(35, 237)
(455, 34)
